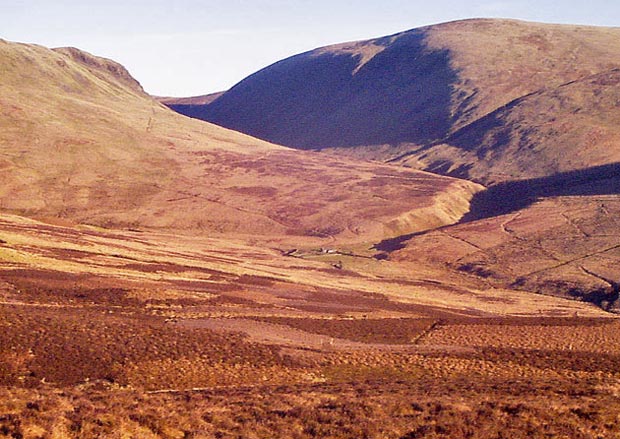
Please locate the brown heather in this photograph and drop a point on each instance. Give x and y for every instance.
(162, 277)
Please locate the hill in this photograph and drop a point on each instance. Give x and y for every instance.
(570, 127)
(82, 142)
(530, 110)
(162, 277)
(469, 98)
(191, 101)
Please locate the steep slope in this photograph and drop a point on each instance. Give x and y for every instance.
(574, 126)
(446, 98)
(81, 141)
(344, 95)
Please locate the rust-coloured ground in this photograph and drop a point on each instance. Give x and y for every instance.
(112, 333)
(166, 278)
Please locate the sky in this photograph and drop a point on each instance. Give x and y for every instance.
(191, 47)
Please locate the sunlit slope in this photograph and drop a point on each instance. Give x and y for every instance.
(80, 140)
(487, 99)
(561, 246)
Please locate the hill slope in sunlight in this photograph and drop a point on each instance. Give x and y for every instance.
(81, 141)
(239, 288)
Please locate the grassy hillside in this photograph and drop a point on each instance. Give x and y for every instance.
(81, 141)
(574, 126)
(162, 277)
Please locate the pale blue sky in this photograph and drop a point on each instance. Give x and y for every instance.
(190, 47)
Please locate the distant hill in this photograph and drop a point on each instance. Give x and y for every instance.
(81, 142)
(488, 99)
(194, 100)
(574, 126)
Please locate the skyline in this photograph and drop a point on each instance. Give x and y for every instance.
(190, 48)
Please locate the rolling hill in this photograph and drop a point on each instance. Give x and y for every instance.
(529, 110)
(486, 99)
(81, 142)
(191, 101)
(163, 277)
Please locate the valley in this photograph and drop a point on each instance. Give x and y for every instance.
(429, 248)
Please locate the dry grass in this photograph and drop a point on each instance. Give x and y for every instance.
(196, 277)
(107, 367)
(453, 408)
(383, 331)
(102, 330)
(82, 143)
(564, 246)
(601, 337)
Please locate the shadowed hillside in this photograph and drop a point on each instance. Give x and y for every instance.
(571, 127)
(492, 100)
(513, 196)
(344, 95)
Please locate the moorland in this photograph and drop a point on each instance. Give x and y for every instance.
(445, 269)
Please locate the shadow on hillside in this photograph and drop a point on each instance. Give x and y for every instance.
(392, 244)
(511, 196)
(403, 94)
